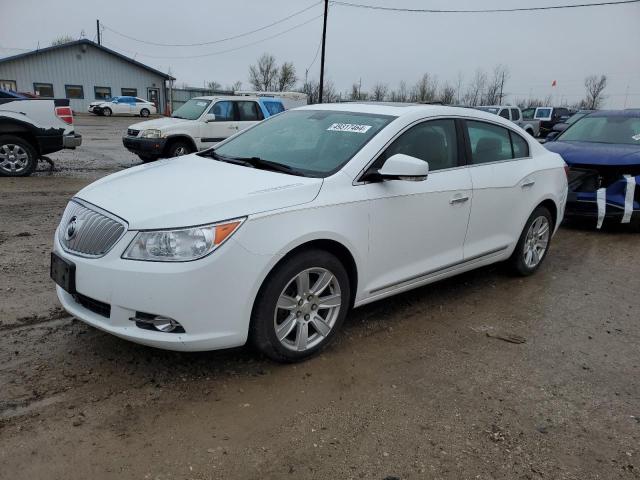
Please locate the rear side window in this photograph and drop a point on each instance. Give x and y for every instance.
(249, 112)
(492, 143)
(273, 107)
(433, 141)
(504, 113)
(515, 114)
(223, 111)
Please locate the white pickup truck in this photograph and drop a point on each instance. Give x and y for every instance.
(31, 128)
(198, 124)
(513, 113)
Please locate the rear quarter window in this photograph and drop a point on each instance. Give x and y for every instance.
(273, 107)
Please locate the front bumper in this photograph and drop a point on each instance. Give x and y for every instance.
(211, 298)
(144, 146)
(72, 141)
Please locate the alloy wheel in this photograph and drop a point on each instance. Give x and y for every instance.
(13, 158)
(536, 242)
(307, 309)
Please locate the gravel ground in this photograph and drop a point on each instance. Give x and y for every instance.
(420, 386)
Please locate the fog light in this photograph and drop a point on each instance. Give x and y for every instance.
(159, 323)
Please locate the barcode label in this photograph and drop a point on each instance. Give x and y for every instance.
(348, 127)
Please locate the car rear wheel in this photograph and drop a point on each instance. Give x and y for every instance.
(177, 149)
(17, 157)
(106, 112)
(301, 306)
(533, 244)
(144, 112)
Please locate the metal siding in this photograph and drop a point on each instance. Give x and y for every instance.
(81, 65)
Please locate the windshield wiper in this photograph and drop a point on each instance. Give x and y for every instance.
(256, 162)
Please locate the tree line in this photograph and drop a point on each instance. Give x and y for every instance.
(482, 88)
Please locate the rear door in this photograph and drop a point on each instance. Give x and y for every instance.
(503, 175)
(223, 126)
(418, 228)
(249, 113)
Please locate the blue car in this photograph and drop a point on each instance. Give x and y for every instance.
(602, 150)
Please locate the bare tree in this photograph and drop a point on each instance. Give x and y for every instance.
(235, 86)
(595, 87)
(494, 92)
(312, 89)
(329, 92)
(215, 86)
(356, 92)
(425, 89)
(447, 94)
(61, 40)
(474, 94)
(379, 92)
(264, 74)
(286, 77)
(532, 102)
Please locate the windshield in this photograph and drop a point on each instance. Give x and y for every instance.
(314, 142)
(488, 109)
(613, 129)
(192, 109)
(543, 112)
(575, 117)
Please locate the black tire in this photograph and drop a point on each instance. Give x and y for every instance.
(144, 112)
(518, 261)
(12, 150)
(147, 158)
(262, 331)
(107, 112)
(179, 148)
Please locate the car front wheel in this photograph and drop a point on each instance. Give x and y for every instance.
(177, 149)
(533, 244)
(106, 112)
(301, 306)
(144, 112)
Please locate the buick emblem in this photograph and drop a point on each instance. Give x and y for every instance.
(72, 228)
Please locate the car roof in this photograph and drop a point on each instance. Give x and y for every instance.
(228, 97)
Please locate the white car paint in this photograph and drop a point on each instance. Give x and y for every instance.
(401, 234)
(118, 107)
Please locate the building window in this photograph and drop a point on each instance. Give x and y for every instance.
(74, 91)
(129, 92)
(43, 90)
(102, 93)
(8, 85)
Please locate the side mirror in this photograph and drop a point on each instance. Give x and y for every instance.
(209, 117)
(404, 167)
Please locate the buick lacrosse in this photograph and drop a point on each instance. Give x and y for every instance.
(273, 235)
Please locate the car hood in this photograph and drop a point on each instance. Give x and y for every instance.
(193, 190)
(161, 123)
(589, 153)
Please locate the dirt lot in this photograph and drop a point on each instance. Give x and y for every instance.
(416, 386)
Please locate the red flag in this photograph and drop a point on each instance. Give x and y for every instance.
(554, 83)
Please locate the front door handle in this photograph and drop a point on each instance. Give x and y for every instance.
(528, 183)
(460, 199)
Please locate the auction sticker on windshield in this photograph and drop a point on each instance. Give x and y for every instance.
(348, 127)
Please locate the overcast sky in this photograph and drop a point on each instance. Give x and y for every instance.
(375, 46)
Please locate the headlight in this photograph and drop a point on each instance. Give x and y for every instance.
(151, 133)
(180, 245)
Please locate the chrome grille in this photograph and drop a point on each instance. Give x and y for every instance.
(88, 232)
(132, 132)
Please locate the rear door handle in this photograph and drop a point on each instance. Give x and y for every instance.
(528, 183)
(460, 199)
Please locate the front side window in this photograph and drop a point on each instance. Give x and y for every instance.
(433, 141)
(44, 90)
(315, 142)
(504, 113)
(129, 92)
(74, 91)
(604, 129)
(192, 109)
(102, 93)
(489, 143)
(528, 113)
(223, 111)
(515, 114)
(249, 112)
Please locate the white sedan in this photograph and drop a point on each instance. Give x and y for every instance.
(276, 233)
(123, 106)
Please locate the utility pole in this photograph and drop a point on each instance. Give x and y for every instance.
(98, 31)
(324, 40)
(501, 87)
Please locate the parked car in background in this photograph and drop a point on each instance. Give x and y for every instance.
(562, 126)
(602, 150)
(198, 124)
(123, 106)
(274, 234)
(31, 128)
(513, 113)
(549, 116)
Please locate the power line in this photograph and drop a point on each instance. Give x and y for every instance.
(492, 10)
(227, 50)
(212, 42)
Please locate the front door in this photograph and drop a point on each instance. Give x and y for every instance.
(224, 125)
(153, 95)
(419, 228)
